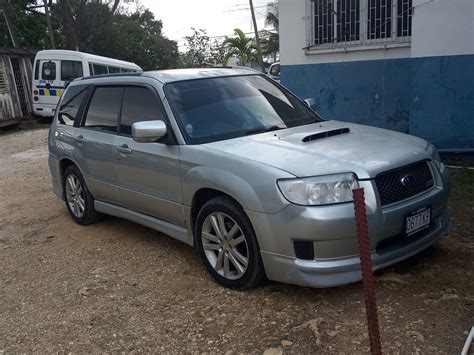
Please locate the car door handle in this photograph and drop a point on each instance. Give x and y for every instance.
(80, 139)
(124, 149)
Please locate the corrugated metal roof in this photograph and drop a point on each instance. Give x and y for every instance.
(18, 51)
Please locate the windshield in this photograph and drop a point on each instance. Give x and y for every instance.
(222, 108)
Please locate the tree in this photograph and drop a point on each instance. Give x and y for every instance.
(27, 25)
(271, 46)
(217, 53)
(240, 46)
(272, 16)
(198, 48)
(137, 38)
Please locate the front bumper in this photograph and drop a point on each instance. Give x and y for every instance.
(332, 232)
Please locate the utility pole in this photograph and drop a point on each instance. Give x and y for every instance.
(257, 37)
(48, 22)
(7, 21)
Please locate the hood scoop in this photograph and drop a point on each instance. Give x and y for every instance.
(327, 134)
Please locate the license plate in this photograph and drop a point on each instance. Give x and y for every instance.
(418, 220)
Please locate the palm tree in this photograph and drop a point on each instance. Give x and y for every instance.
(272, 45)
(240, 46)
(272, 16)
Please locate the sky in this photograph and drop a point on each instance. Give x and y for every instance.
(218, 17)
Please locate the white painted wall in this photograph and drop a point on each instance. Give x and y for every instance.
(442, 27)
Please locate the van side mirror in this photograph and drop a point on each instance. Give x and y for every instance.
(148, 131)
(310, 102)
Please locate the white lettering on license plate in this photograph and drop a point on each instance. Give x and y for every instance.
(418, 222)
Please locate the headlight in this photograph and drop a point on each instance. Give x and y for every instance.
(320, 190)
(433, 152)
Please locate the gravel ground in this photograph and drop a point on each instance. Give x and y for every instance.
(117, 286)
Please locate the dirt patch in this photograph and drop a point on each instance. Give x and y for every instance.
(118, 286)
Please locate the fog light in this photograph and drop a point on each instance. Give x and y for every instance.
(35, 92)
(304, 249)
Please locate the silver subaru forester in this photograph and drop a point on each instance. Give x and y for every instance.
(232, 163)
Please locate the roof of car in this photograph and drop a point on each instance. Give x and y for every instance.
(166, 76)
(172, 75)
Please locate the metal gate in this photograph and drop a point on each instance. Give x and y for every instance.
(20, 87)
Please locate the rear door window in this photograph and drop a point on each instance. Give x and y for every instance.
(139, 104)
(70, 104)
(70, 70)
(48, 71)
(104, 109)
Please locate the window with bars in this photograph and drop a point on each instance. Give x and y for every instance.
(360, 22)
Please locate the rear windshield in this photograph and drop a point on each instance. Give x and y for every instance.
(216, 109)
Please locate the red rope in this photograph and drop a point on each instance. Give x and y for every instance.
(368, 281)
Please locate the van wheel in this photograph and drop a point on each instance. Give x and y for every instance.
(79, 201)
(227, 244)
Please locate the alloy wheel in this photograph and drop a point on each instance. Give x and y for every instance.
(75, 195)
(225, 246)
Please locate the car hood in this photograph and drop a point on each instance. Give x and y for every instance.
(328, 147)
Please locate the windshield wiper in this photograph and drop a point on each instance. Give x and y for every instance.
(263, 130)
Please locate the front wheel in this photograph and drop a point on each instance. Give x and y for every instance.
(227, 244)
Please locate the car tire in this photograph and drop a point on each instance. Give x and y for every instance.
(79, 201)
(231, 255)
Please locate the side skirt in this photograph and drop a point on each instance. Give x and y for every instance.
(179, 233)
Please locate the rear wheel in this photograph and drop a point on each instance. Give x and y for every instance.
(227, 244)
(79, 201)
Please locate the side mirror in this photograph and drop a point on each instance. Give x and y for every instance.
(148, 131)
(310, 102)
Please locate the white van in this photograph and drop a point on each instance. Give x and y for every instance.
(53, 69)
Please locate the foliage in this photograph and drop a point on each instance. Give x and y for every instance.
(271, 43)
(198, 47)
(137, 38)
(272, 16)
(240, 46)
(28, 25)
(201, 50)
(93, 27)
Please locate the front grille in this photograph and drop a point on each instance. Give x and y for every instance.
(405, 182)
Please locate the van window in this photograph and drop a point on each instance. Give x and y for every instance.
(49, 71)
(100, 69)
(123, 70)
(275, 70)
(139, 104)
(70, 70)
(91, 70)
(37, 69)
(114, 70)
(104, 109)
(70, 104)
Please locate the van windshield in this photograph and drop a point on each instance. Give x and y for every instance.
(222, 108)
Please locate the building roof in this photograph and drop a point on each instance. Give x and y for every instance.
(18, 51)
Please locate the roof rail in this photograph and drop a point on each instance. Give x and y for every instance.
(109, 75)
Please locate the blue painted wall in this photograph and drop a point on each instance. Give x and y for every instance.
(431, 97)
